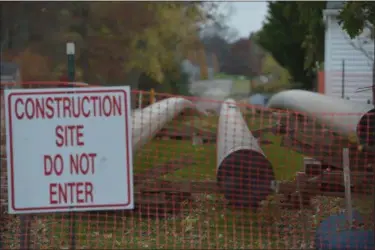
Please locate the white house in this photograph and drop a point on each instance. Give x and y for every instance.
(347, 62)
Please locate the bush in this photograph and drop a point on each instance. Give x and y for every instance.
(182, 85)
(34, 67)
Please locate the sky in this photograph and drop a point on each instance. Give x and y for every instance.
(248, 16)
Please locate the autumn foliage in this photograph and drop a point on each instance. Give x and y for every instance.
(33, 66)
(113, 39)
(203, 64)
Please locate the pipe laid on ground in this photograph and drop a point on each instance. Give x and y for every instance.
(355, 121)
(243, 172)
(148, 121)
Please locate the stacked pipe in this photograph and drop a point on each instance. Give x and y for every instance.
(148, 121)
(355, 121)
(244, 174)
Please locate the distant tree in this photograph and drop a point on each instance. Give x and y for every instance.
(215, 63)
(114, 40)
(256, 56)
(215, 40)
(33, 66)
(238, 62)
(270, 67)
(244, 58)
(311, 19)
(294, 34)
(203, 64)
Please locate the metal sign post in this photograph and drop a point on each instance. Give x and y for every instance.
(70, 52)
(25, 239)
(1, 209)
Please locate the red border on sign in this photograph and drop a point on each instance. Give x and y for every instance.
(127, 167)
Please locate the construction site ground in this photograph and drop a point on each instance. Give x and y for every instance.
(205, 221)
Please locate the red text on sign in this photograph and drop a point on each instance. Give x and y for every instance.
(71, 192)
(82, 163)
(69, 135)
(53, 165)
(68, 107)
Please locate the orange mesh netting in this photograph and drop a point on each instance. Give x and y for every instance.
(236, 176)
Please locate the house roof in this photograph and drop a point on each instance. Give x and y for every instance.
(335, 5)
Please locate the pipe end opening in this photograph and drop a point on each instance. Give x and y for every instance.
(366, 129)
(245, 178)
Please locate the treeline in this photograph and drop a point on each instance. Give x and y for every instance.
(242, 56)
(294, 32)
(116, 42)
(245, 57)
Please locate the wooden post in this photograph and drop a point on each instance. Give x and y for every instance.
(152, 96)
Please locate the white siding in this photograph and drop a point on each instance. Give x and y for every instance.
(358, 68)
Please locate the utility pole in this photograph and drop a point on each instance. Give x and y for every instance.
(70, 52)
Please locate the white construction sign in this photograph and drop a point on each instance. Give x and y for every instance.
(69, 149)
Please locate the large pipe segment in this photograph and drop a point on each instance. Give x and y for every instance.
(148, 121)
(244, 174)
(355, 121)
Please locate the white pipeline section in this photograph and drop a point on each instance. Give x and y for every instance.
(148, 121)
(347, 118)
(243, 172)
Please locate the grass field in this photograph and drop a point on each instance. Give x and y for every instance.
(241, 87)
(207, 224)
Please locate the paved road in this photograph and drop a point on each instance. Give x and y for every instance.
(211, 91)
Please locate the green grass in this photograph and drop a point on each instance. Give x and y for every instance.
(226, 76)
(160, 151)
(208, 223)
(285, 162)
(241, 88)
(205, 226)
(241, 85)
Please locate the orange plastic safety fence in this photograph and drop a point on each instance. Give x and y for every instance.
(219, 175)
